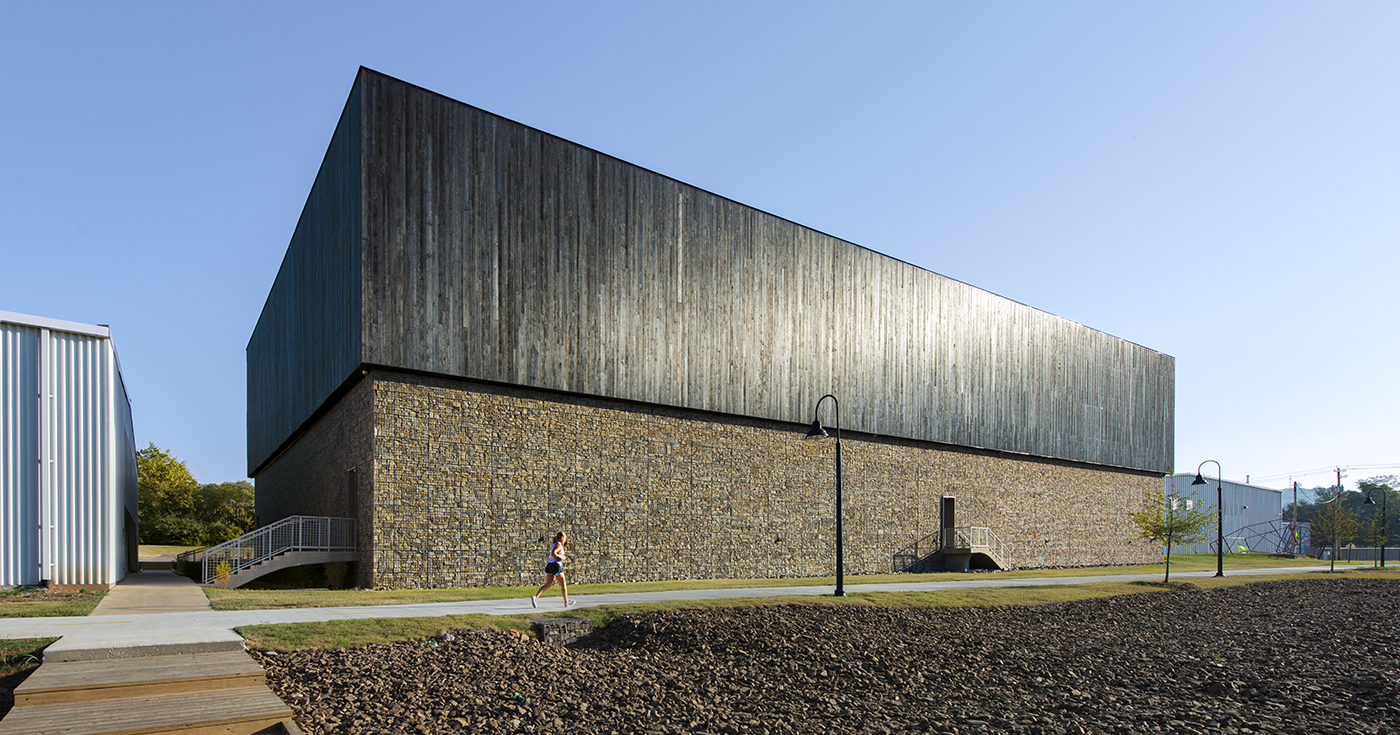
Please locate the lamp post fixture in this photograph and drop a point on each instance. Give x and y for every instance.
(1369, 501)
(1219, 515)
(817, 431)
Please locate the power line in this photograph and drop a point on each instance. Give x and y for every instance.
(1328, 470)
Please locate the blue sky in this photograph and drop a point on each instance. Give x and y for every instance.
(1216, 181)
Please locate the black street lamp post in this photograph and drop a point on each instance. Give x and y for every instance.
(816, 431)
(1219, 515)
(1384, 529)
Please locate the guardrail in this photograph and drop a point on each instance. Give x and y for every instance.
(969, 537)
(296, 533)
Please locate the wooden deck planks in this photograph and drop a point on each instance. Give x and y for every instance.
(105, 679)
(253, 708)
(194, 694)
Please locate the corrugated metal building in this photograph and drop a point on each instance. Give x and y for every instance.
(1252, 517)
(67, 456)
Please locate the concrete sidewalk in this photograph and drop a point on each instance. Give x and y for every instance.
(153, 592)
(135, 623)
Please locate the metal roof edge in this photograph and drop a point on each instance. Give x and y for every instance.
(58, 325)
(1236, 483)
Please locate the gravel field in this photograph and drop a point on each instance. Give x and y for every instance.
(1302, 656)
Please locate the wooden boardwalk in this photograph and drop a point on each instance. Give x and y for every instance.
(198, 694)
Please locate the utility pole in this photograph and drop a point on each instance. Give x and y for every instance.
(1336, 537)
(1297, 541)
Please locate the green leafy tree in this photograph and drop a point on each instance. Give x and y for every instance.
(1370, 531)
(1320, 512)
(1335, 521)
(226, 509)
(1379, 529)
(174, 530)
(176, 509)
(1174, 521)
(166, 498)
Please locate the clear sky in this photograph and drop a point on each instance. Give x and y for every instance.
(1216, 181)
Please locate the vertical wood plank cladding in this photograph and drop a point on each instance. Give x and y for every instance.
(497, 252)
(307, 339)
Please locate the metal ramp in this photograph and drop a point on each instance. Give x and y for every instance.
(974, 547)
(284, 561)
(290, 542)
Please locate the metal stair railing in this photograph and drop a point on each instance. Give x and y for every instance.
(915, 556)
(295, 533)
(971, 537)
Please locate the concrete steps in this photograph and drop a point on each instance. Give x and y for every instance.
(196, 693)
(973, 547)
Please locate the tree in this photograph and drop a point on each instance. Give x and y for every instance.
(1171, 521)
(166, 494)
(175, 509)
(1335, 521)
(1379, 527)
(1370, 532)
(226, 509)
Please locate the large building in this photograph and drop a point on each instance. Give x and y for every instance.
(1249, 520)
(482, 333)
(67, 456)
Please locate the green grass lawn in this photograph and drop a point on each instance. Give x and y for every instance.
(151, 551)
(19, 654)
(32, 602)
(241, 599)
(345, 633)
(41, 603)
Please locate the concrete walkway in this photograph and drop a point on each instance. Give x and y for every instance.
(153, 592)
(158, 613)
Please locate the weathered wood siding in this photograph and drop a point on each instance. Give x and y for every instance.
(498, 252)
(307, 340)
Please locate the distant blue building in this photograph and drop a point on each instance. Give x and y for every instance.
(1253, 518)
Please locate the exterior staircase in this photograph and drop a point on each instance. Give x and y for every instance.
(193, 694)
(285, 560)
(290, 542)
(974, 547)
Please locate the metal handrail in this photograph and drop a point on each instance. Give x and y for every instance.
(295, 533)
(968, 537)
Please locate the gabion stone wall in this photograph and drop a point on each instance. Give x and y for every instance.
(462, 484)
(471, 481)
(313, 475)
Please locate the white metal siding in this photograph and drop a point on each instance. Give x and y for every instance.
(19, 455)
(76, 509)
(68, 454)
(1246, 506)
